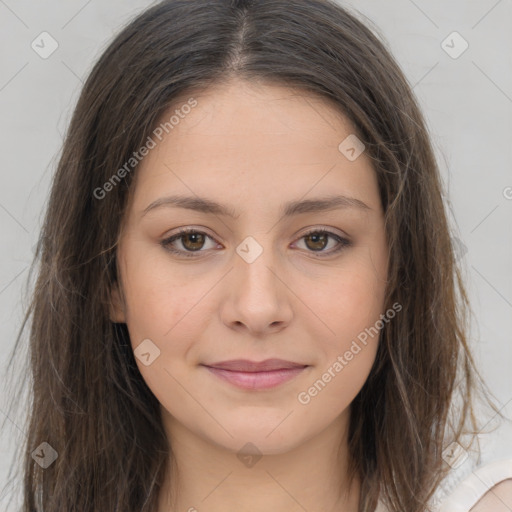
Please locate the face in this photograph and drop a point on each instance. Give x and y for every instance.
(269, 274)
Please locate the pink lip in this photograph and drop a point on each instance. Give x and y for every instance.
(256, 380)
(244, 365)
(256, 375)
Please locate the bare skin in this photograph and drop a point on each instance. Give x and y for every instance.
(255, 148)
(497, 499)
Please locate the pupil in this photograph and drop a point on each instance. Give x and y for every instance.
(194, 236)
(319, 236)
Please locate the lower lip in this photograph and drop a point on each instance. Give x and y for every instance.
(257, 380)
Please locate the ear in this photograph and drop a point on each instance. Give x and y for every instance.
(117, 307)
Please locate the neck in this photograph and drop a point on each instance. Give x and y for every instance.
(310, 476)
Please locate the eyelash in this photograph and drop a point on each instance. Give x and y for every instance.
(166, 244)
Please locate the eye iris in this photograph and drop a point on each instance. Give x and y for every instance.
(196, 245)
(323, 237)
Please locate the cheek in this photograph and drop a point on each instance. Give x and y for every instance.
(165, 307)
(351, 305)
(348, 352)
(349, 299)
(159, 297)
(332, 389)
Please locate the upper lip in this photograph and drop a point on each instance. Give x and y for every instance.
(244, 365)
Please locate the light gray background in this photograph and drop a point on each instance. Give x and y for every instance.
(467, 102)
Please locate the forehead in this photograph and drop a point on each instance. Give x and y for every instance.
(253, 142)
(239, 108)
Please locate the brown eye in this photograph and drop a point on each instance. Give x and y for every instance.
(193, 241)
(318, 241)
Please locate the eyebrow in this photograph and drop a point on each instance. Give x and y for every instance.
(204, 205)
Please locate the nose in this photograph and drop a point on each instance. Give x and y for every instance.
(257, 298)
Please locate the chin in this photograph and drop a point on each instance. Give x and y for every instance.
(261, 437)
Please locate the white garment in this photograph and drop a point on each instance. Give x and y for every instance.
(473, 488)
(468, 482)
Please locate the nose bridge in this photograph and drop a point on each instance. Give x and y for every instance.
(257, 295)
(256, 263)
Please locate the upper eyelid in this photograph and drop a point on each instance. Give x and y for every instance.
(184, 231)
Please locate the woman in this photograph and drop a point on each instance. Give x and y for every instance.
(247, 295)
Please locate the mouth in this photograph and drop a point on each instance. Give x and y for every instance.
(254, 375)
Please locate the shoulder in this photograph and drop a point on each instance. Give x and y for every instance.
(486, 489)
(497, 499)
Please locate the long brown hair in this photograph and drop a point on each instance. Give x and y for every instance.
(88, 399)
